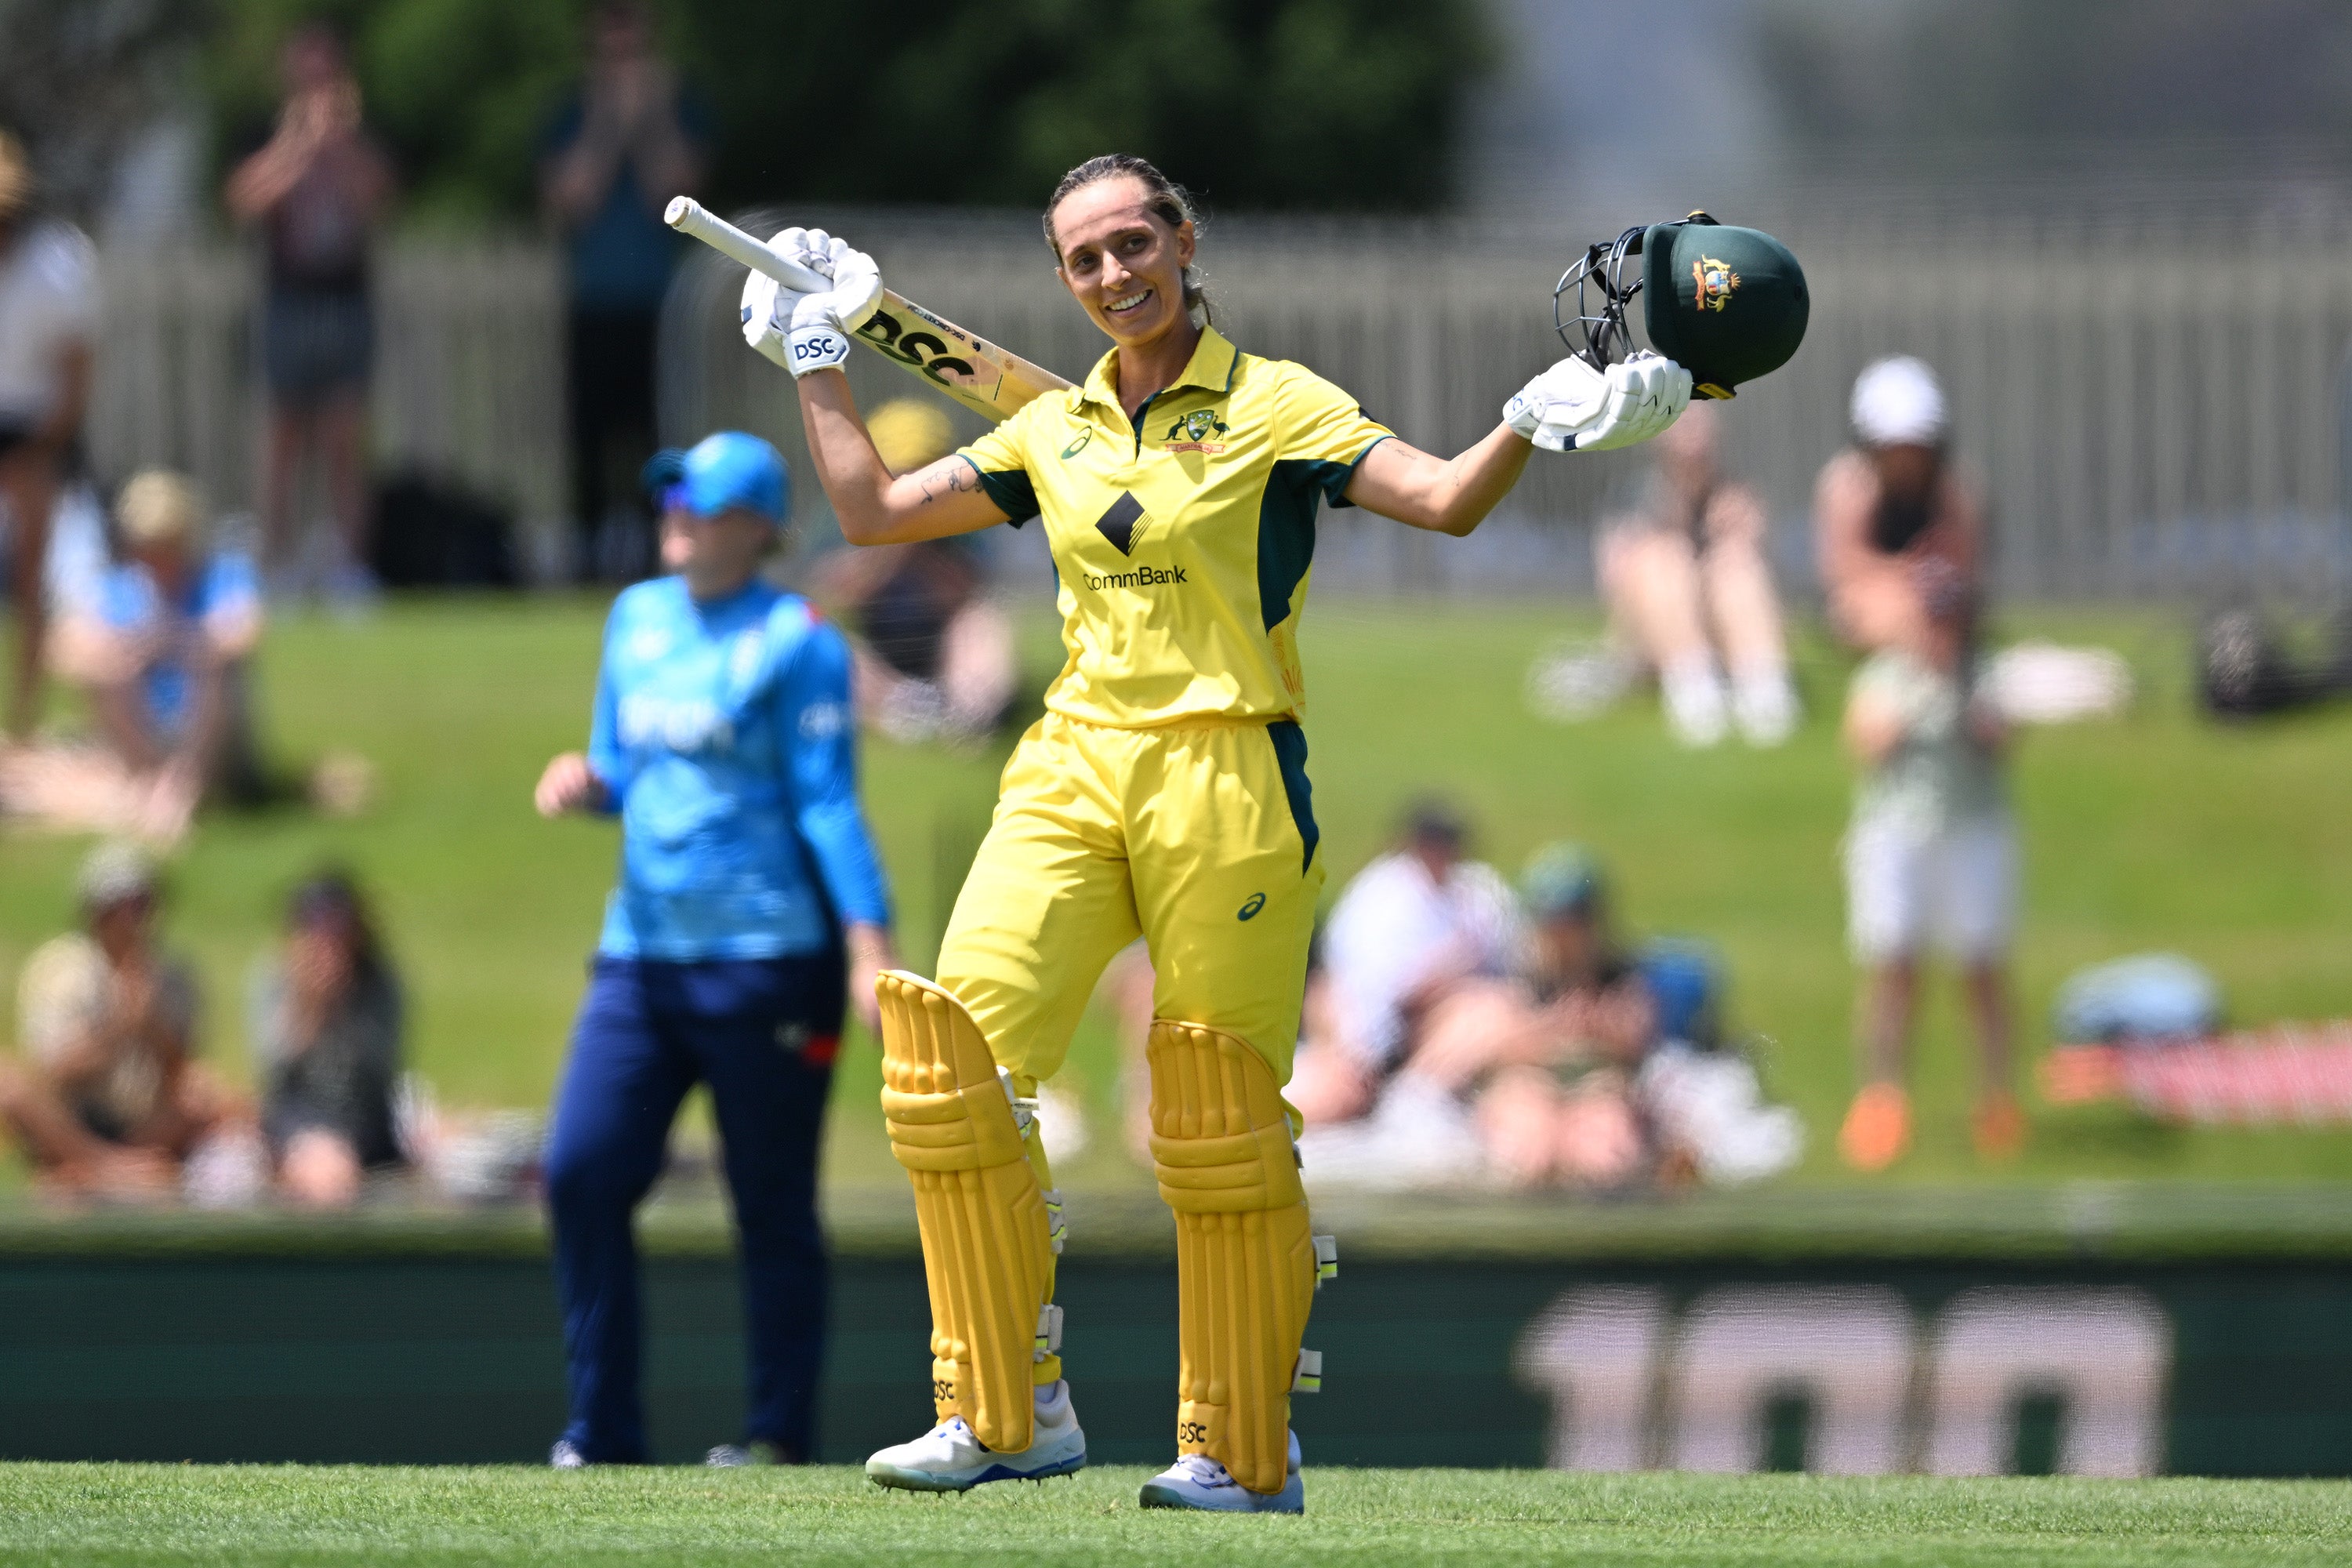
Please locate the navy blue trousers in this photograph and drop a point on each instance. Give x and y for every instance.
(762, 1034)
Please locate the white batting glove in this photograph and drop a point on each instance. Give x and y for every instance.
(1573, 408)
(822, 324)
(800, 332)
(768, 305)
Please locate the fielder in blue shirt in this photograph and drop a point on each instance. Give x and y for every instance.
(750, 894)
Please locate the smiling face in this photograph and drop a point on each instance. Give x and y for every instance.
(1123, 262)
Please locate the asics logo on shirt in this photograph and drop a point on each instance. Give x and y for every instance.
(693, 724)
(822, 720)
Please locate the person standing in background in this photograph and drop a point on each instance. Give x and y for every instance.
(1690, 592)
(1930, 857)
(317, 190)
(612, 160)
(750, 895)
(1899, 534)
(49, 318)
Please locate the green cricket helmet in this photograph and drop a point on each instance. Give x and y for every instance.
(1727, 304)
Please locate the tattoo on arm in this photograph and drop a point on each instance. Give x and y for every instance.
(947, 477)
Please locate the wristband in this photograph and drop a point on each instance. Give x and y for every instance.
(816, 348)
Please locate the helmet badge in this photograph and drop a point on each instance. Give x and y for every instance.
(1715, 281)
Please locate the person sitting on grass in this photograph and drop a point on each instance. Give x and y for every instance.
(327, 1048)
(161, 653)
(1547, 1053)
(1931, 853)
(1412, 929)
(1559, 1051)
(1690, 592)
(106, 1100)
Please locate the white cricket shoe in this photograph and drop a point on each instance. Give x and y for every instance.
(1199, 1482)
(951, 1458)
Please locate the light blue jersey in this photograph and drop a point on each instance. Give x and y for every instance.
(725, 734)
(131, 601)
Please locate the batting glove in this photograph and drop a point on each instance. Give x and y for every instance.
(1573, 408)
(800, 331)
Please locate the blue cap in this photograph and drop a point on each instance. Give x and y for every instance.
(733, 470)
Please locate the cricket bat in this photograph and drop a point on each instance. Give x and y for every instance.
(989, 380)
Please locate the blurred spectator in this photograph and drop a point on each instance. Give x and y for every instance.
(162, 651)
(935, 657)
(1549, 1048)
(627, 142)
(1691, 595)
(49, 318)
(106, 1097)
(1931, 855)
(1584, 1064)
(327, 1046)
(1414, 926)
(1900, 538)
(316, 189)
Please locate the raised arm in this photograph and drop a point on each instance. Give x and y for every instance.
(1443, 496)
(1571, 407)
(874, 506)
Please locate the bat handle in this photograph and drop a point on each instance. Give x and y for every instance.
(690, 217)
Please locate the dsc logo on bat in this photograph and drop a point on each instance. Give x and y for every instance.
(923, 352)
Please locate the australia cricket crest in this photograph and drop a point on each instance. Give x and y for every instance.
(1714, 283)
(1190, 433)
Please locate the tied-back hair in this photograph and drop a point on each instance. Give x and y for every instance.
(1163, 197)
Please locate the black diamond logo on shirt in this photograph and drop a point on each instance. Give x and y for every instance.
(1123, 523)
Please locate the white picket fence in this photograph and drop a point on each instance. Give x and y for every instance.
(468, 383)
(2154, 411)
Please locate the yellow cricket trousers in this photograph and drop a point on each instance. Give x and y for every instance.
(1198, 837)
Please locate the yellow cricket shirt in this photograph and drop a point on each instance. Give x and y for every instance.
(1182, 539)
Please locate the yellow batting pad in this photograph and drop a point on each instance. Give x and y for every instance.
(1245, 1256)
(987, 1251)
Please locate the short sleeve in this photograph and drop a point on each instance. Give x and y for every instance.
(232, 586)
(816, 722)
(127, 600)
(61, 995)
(608, 759)
(1000, 459)
(1324, 426)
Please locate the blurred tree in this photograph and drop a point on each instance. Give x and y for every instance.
(1319, 104)
(457, 90)
(80, 83)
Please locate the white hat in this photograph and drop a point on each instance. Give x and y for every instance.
(158, 507)
(1897, 403)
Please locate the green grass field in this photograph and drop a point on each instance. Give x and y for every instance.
(126, 1514)
(2157, 830)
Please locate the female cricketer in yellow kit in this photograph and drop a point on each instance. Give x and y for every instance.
(1164, 794)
